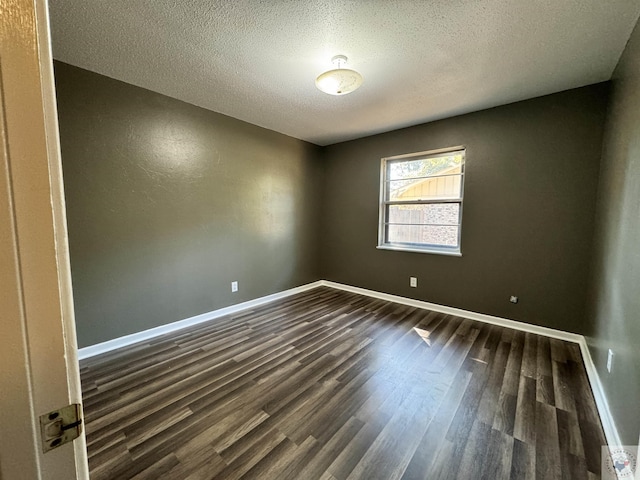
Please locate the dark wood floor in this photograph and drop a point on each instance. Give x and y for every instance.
(332, 385)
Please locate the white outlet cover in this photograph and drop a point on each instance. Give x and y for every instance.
(610, 360)
(413, 281)
(234, 286)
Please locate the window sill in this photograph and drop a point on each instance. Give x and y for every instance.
(436, 251)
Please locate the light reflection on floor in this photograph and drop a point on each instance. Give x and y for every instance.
(424, 334)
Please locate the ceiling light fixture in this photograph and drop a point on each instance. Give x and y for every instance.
(339, 81)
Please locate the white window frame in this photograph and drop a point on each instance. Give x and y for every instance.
(385, 203)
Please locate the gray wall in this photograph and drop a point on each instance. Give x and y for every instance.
(615, 296)
(529, 205)
(168, 203)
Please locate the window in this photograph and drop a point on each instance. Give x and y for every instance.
(421, 202)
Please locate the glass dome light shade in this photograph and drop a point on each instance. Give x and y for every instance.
(339, 81)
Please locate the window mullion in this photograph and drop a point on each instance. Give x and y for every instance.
(389, 180)
(422, 202)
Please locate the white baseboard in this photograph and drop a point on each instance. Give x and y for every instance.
(126, 340)
(481, 317)
(608, 424)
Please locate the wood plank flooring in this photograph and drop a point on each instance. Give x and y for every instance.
(331, 385)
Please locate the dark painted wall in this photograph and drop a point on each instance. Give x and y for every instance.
(168, 203)
(527, 229)
(615, 297)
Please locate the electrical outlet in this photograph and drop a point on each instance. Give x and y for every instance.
(234, 286)
(513, 299)
(413, 282)
(610, 361)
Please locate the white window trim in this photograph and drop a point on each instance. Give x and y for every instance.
(432, 249)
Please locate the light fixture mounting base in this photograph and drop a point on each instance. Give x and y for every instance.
(339, 59)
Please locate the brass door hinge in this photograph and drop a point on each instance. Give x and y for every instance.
(60, 426)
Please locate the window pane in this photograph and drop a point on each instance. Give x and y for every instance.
(432, 214)
(426, 188)
(450, 163)
(423, 234)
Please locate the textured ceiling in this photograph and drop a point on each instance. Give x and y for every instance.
(257, 60)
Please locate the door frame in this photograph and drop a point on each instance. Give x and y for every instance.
(39, 361)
